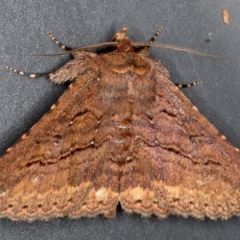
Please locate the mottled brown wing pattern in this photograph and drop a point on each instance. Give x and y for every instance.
(62, 166)
(187, 168)
(121, 133)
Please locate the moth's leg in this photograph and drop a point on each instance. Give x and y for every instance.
(30, 75)
(188, 85)
(155, 35)
(62, 75)
(145, 50)
(62, 46)
(68, 72)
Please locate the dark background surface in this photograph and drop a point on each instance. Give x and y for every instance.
(76, 23)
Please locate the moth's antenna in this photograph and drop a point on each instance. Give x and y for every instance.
(100, 45)
(183, 49)
(136, 44)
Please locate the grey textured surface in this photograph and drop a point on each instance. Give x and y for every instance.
(186, 23)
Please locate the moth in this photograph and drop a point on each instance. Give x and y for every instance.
(121, 134)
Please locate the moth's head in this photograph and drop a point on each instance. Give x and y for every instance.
(124, 43)
(120, 36)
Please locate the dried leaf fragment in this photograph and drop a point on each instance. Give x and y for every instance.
(226, 16)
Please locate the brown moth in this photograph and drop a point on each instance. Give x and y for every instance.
(122, 133)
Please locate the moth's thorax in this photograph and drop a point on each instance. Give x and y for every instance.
(125, 46)
(122, 62)
(122, 80)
